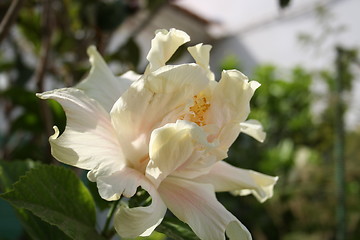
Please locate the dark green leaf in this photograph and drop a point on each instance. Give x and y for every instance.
(57, 196)
(284, 3)
(39, 229)
(110, 15)
(141, 198)
(10, 172)
(175, 229)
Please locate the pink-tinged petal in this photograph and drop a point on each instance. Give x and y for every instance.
(225, 178)
(199, 163)
(101, 84)
(163, 46)
(151, 102)
(230, 105)
(89, 140)
(196, 204)
(201, 54)
(138, 221)
(254, 129)
(174, 147)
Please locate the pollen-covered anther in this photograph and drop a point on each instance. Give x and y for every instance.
(198, 110)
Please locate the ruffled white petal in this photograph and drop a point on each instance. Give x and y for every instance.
(196, 204)
(101, 84)
(175, 146)
(139, 221)
(89, 140)
(123, 182)
(201, 54)
(232, 97)
(152, 102)
(163, 46)
(254, 129)
(230, 105)
(225, 177)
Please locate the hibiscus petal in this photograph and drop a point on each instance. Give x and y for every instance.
(174, 146)
(232, 97)
(152, 102)
(163, 46)
(225, 177)
(196, 204)
(138, 221)
(254, 129)
(89, 140)
(201, 54)
(101, 84)
(230, 105)
(123, 182)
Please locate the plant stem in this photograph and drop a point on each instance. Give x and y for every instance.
(339, 148)
(105, 232)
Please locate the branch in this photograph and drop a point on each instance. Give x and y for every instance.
(47, 32)
(106, 232)
(9, 18)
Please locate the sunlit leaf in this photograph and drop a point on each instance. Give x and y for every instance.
(57, 196)
(10, 172)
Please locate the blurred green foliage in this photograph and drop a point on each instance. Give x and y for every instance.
(298, 149)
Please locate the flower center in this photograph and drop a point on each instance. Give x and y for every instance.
(198, 110)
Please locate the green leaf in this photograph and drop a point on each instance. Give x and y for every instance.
(39, 229)
(10, 172)
(284, 3)
(57, 196)
(110, 15)
(154, 236)
(141, 198)
(176, 229)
